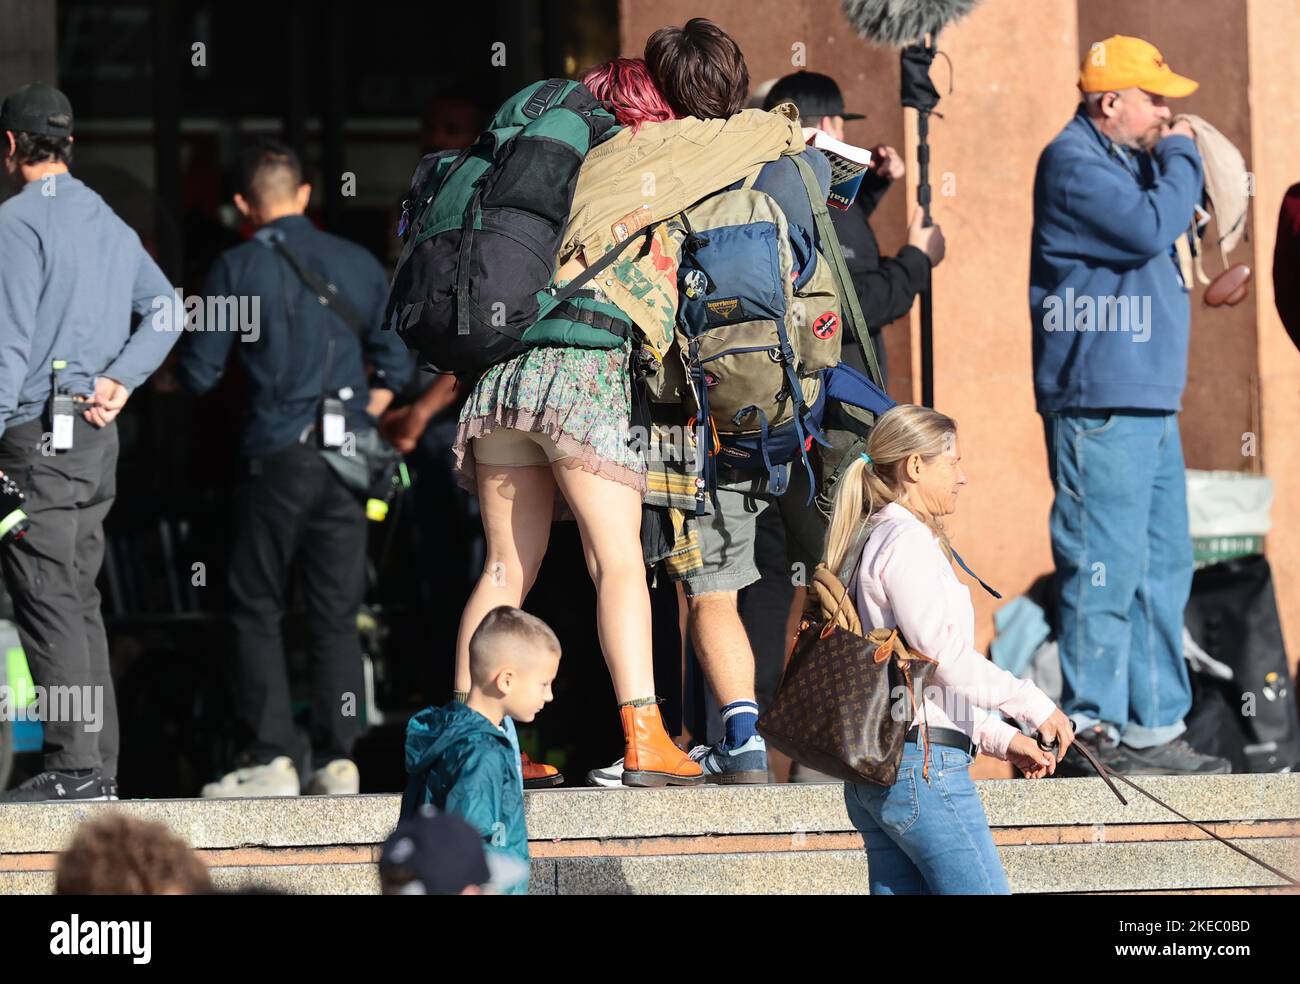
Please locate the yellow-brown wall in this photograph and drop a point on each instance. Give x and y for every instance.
(1274, 68)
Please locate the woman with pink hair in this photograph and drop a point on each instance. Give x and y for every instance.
(553, 423)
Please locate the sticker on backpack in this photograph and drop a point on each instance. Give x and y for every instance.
(826, 325)
(695, 283)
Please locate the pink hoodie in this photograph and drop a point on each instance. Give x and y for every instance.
(906, 581)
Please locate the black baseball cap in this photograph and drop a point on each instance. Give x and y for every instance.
(437, 854)
(39, 109)
(815, 94)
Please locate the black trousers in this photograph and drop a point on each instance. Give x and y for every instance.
(293, 513)
(50, 574)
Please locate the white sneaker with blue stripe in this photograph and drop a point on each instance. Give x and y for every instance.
(734, 766)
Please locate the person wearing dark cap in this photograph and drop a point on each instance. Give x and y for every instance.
(436, 853)
(79, 297)
(886, 286)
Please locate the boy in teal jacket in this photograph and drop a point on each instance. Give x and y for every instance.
(463, 758)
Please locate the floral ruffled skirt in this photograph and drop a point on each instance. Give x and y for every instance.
(580, 398)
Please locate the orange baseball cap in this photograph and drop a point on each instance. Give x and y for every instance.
(1122, 62)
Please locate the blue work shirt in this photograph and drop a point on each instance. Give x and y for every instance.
(76, 286)
(285, 353)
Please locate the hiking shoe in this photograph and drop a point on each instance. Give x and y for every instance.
(1173, 758)
(277, 778)
(337, 778)
(539, 775)
(733, 766)
(1104, 748)
(609, 777)
(56, 786)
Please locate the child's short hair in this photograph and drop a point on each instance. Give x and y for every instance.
(501, 627)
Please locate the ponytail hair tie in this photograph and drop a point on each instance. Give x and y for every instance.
(866, 457)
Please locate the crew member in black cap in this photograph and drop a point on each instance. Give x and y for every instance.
(886, 286)
(78, 296)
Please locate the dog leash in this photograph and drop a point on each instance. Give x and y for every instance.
(1054, 747)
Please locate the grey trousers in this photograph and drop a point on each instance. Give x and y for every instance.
(50, 574)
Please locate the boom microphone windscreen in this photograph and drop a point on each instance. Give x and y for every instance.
(898, 23)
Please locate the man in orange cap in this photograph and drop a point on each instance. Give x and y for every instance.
(1113, 192)
(1125, 83)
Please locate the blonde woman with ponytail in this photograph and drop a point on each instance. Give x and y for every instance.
(930, 837)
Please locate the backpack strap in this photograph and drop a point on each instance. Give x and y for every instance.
(778, 476)
(462, 268)
(597, 268)
(830, 246)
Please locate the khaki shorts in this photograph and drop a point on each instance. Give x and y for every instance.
(510, 448)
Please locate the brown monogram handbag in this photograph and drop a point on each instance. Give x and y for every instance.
(838, 708)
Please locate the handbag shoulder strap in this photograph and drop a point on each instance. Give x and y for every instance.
(848, 571)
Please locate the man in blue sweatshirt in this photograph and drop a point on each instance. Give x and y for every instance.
(77, 298)
(1109, 309)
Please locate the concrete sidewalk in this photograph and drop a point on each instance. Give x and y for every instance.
(1061, 835)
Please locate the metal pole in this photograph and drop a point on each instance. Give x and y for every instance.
(166, 140)
(927, 307)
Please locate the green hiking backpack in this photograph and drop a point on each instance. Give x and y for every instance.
(482, 227)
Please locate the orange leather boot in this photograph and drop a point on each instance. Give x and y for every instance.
(649, 756)
(539, 775)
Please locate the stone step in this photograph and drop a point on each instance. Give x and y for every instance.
(1062, 835)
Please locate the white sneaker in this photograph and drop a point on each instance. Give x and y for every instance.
(277, 778)
(611, 775)
(338, 778)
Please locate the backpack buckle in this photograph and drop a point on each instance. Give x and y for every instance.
(543, 98)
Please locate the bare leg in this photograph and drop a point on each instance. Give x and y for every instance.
(722, 646)
(517, 505)
(609, 519)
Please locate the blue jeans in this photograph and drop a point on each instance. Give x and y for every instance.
(927, 839)
(1123, 570)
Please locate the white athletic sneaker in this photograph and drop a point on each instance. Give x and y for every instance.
(277, 778)
(338, 778)
(610, 776)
